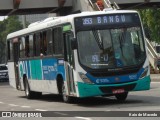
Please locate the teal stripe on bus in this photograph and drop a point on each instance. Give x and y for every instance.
(87, 90)
(36, 69)
(33, 70)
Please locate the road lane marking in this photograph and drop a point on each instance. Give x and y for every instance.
(155, 82)
(108, 110)
(26, 106)
(40, 110)
(13, 105)
(84, 118)
(60, 113)
(1, 102)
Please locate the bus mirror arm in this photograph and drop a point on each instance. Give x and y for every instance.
(73, 44)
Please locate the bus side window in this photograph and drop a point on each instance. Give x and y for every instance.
(49, 42)
(34, 45)
(22, 47)
(58, 40)
(31, 51)
(53, 41)
(27, 51)
(41, 44)
(37, 44)
(9, 50)
(44, 43)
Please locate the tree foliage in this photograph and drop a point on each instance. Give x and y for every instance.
(11, 24)
(151, 21)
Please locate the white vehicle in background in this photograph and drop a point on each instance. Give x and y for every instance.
(3, 73)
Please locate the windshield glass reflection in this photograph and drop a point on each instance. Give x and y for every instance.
(111, 48)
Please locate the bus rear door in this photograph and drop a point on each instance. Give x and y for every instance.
(15, 59)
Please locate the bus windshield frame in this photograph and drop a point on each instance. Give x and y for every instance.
(106, 44)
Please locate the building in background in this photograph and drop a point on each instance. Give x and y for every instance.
(34, 18)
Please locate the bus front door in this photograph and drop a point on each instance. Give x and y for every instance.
(16, 58)
(69, 63)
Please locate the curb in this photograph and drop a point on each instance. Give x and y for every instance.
(155, 77)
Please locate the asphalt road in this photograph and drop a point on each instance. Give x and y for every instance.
(13, 100)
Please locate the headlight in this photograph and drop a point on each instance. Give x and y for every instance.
(144, 72)
(85, 78)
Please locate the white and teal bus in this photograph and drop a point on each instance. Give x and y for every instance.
(82, 55)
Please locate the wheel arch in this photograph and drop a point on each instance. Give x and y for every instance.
(59, 81)
(24, 80)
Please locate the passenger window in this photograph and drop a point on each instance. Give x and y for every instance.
(37, 45)
(34, 45)
(31, 53)
(44, 43)
(22, 47)
(9, 49)
(27, 51)
(49, 42)
(58, 40)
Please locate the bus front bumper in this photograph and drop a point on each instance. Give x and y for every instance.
(88, 90)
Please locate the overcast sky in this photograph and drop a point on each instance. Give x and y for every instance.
(2, 18)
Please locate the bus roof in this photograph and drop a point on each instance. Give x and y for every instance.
(50, 22)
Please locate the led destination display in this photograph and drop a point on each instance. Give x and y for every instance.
(112, 19)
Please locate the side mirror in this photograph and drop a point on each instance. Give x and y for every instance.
(73, 44)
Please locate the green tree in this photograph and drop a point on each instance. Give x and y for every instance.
(11, 24)
(151, 20)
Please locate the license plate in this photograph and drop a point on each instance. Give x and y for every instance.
(118, 91)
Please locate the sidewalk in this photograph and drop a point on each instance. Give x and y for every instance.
(155, 77)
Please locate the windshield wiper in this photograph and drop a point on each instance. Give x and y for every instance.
(98, 39)
(121, 38)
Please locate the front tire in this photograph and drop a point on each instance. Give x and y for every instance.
(122, 96)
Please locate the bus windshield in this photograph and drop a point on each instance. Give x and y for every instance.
(111, 48)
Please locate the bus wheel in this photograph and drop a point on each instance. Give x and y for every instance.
(122, 96)
(29, 94)
(65, 97)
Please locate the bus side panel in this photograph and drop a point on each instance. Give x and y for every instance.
(42, 74)
(49, 69)
(11, 73)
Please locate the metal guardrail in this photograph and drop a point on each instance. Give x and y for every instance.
(94, 5)
(106, 4)
(91, 3)
(153, 56)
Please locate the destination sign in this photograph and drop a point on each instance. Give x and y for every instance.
(112, 19)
